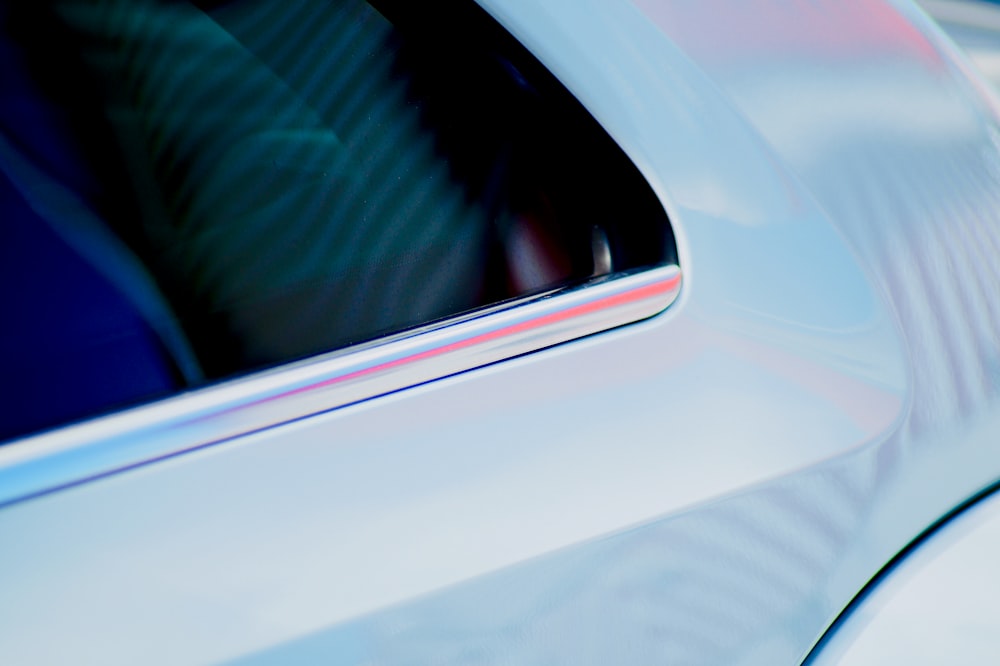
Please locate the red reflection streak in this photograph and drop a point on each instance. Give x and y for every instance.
(638, 294)
(722, 30)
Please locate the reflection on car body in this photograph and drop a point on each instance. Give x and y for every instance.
(364, 342)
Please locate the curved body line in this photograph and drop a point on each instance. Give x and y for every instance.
(70, 455)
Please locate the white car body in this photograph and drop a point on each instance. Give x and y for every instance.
(712, 485)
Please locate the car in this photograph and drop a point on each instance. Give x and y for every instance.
(591, 332)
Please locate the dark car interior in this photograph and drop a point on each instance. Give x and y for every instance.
(192, 191)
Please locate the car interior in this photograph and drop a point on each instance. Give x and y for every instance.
(193, 191)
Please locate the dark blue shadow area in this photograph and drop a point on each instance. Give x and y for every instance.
(71, 343)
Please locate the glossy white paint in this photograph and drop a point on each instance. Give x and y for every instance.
(712, 485)
(936, 606)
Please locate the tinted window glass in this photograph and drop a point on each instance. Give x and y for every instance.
(240, 184)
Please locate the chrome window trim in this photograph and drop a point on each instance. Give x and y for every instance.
(76, 453)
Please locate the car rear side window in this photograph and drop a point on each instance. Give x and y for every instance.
(193, 191)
